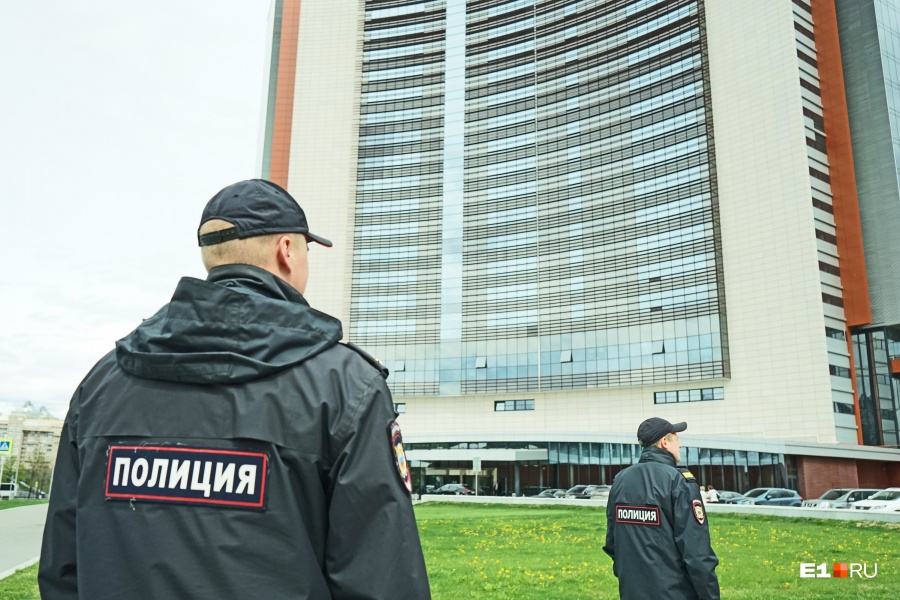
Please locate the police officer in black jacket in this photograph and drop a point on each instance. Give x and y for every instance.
(657, 531)
(230, 447)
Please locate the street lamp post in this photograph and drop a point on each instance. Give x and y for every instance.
(476, 466)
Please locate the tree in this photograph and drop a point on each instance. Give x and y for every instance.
(38, 469)
(8, 467)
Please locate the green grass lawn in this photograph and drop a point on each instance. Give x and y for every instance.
(15, 503)
(540, 552)
(22, 585)
(498, 552)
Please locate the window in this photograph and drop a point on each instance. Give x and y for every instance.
(392, 302)
(499, 53)
(509, 96)
(511, 72)
(392, 277)
(390, 116)
(831, 269)
(807, 59)
(509, 6)
(508, 405)
(819, 175)
(818, 203)
(833, 300)
(826, 237)
(839, 371)
(700, 395)
(395, 11)
(395, 31)
(391, 52)
(843, 409)
(510, 28)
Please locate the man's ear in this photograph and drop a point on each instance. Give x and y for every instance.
(283, 253)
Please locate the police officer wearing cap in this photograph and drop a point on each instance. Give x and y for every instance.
(657, 531)
(231, 447)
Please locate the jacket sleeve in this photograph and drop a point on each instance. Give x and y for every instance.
(57, 571)
(692, 539)
(610, 546)
(373, 548)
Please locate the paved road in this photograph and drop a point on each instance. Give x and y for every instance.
(20, 536)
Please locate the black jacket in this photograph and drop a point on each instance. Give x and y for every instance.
(657, 532)
(230, 447)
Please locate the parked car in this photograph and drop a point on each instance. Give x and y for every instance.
(588, 492)
(574, 491)
(551, 493)
(726, 495)
(885, 500)
(840, 497)
(770, 497)
(454, 489)
(599, 492)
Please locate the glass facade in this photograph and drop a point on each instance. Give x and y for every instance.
(536, 203)
(879, 389)
(870, 52)
(887, 14)
(590, 463)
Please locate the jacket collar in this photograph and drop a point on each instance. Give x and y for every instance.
(254, 280)
(654, 454)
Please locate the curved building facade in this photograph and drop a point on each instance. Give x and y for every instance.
(536, 200)
(555, 218)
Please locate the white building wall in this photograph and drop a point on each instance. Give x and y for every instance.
(322, 170)
(780, 383)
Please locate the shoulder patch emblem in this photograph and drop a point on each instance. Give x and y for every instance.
(699, 513)
(400, 457)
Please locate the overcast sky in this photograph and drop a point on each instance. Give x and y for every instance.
(118, 121)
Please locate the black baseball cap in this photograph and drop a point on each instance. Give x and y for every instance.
(654, 429)
(254, 207)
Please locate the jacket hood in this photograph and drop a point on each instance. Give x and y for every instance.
(242, 323)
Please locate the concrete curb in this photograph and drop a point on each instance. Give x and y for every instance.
(24, 565)
(837, 514)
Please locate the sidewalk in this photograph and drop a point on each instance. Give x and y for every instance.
(20, 537)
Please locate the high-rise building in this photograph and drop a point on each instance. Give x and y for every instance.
(870, 50)
(34, 438)
(555, 218)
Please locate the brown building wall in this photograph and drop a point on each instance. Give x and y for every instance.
(284, 93)
(817, 474)
(848, 227)
(893, 474)
(876, 474)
